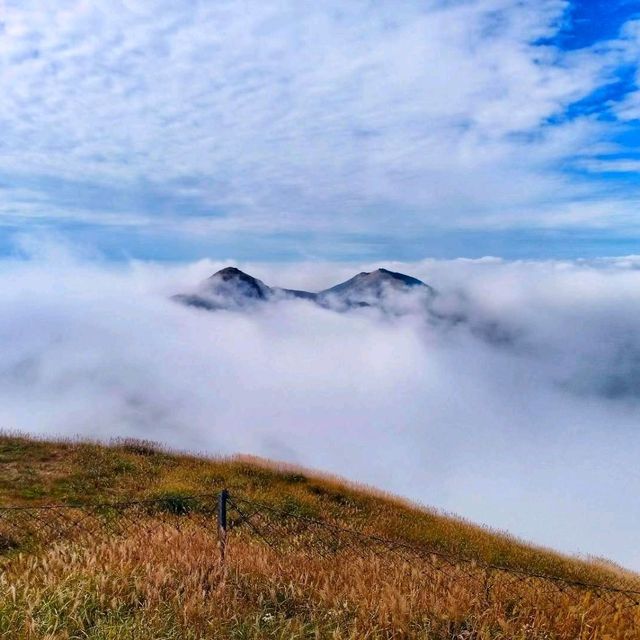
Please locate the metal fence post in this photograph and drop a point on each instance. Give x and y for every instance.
(222, 522)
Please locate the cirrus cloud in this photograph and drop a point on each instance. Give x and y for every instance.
(349, 123)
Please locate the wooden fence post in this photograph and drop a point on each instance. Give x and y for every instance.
(222, 522)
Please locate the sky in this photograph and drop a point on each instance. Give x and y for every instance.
(283, 130)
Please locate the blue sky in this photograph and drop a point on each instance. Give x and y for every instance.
(286, 130)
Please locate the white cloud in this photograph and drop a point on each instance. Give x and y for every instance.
(278, 115)
(616, 166)
(629, 108)
(536, 433)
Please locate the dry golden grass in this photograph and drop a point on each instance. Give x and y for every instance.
(155, 581)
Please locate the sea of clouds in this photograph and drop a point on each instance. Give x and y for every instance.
(521, 409)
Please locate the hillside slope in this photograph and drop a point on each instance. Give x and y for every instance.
(280, 580)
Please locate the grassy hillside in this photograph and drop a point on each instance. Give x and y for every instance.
(279, 581)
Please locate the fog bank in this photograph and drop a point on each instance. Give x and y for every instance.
(524, 414)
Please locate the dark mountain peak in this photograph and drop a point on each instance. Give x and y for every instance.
(231, 280)
(376, 280)
(228, 288)
(401, 277)
(373, 288)
(229, 273)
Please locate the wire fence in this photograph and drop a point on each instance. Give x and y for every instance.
(24, 528)
(283, 530)
(286, 532)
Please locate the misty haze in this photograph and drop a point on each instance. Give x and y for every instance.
(516, 383)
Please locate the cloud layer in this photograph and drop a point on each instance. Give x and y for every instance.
(525, 416)
(359, 124)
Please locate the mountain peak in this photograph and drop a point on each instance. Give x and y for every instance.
(230, 281)
(373, 284)
(410, 281)
(231, 272)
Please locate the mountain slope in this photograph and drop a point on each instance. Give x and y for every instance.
(231, 288)
(228, 288)
(158, 580)
(375, 288)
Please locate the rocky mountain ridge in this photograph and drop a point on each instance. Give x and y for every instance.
(231, 288)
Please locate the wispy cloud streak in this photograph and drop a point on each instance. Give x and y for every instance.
(265, 117)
